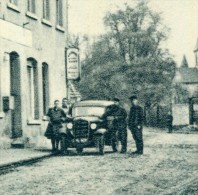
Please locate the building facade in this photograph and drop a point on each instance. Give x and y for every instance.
(185, 93)
(33, 38)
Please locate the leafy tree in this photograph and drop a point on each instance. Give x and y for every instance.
(129, 58)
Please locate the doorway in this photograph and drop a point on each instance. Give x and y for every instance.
(15, 91)
(193, 110)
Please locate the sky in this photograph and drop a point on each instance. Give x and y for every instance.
(181, 16)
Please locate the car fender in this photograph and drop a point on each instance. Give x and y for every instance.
(100, 131)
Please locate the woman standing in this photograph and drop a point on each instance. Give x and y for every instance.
(56, 118)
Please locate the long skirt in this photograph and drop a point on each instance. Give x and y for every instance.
(53, 131)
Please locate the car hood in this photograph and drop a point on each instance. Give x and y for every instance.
(88, 118)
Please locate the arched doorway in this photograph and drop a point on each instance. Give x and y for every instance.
(15, 91)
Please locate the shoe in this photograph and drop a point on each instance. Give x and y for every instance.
(123, 151)
(65, 152)
(137, 152)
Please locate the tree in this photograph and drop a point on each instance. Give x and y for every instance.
(137, 32)
(129, 58)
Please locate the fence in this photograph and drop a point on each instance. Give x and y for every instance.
(156, 116)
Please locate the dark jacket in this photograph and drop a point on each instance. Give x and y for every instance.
(117, 112)
(56, 115)
(169, 119)
(136, 117)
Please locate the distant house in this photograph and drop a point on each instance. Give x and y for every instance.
(185, 93)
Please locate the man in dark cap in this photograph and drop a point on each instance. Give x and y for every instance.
(135, 124)
(119, 126)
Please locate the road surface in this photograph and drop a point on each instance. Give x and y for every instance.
(169, 166)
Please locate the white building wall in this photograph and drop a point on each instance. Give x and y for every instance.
(180, 114)
(44, 43)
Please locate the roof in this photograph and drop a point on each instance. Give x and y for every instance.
(186, 75)
(184, 63)
(100, 103)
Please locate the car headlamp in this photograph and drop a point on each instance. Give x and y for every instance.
(93, 126)
(69, 125)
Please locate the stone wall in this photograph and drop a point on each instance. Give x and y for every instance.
(180, 114)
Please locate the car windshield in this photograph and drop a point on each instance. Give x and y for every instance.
(88, 111)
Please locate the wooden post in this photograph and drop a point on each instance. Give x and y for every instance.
(191, 111)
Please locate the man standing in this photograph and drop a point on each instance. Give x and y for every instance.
(135, 124)
(56, 116)
(66, 106)
(169, 122)
(119, 125)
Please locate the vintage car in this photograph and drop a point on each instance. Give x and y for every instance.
(87, 128)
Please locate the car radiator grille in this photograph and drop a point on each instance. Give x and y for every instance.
(81, 129)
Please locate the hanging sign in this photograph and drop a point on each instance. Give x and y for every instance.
(73, 64)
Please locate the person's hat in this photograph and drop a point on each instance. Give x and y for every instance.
(133, 97)
(116, 100)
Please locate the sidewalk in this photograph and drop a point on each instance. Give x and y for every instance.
(11, 155)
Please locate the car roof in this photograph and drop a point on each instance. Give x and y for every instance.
(100, 103)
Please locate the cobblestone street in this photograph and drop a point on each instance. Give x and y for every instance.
(169, 166)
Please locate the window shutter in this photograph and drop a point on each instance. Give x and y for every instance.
(44, 9)
(60, 13)
(57, 11)
(28, 5)
(47, 10)
(14, 2)
(33, 7)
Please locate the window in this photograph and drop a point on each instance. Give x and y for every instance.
(46, 9)
(31, 6)
(59, 13)
(45, 82)
(14, 2)
(33, 88)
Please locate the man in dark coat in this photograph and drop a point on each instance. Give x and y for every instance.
(119, 125)
(135, 124)
(56, 116)
(169, 122)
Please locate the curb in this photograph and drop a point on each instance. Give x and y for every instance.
(8, 167)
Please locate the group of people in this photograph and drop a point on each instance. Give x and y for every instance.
(59, 116)
(118, 117)
(117, 120)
